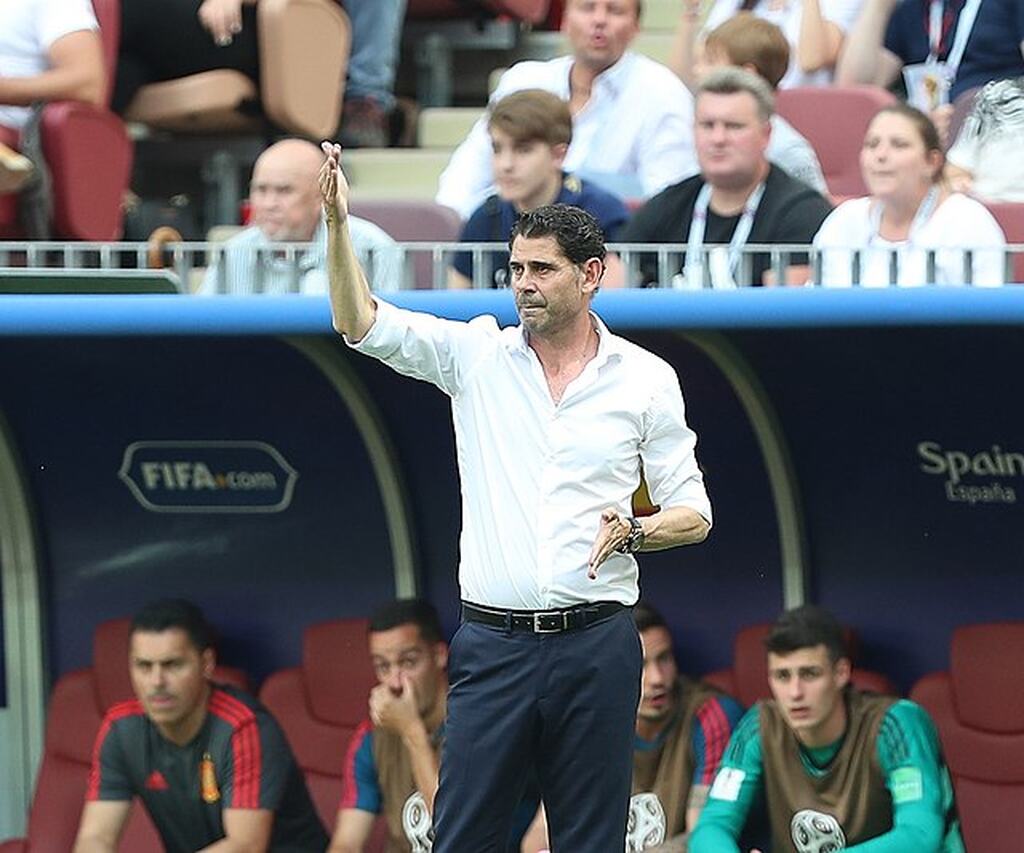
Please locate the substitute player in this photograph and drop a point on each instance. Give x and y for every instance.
(841, 769)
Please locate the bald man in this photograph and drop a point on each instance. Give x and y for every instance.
(285, 208)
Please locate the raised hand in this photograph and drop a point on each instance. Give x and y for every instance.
(399, 713)
(333, 186)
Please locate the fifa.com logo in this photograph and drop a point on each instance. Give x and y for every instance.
(963, 470)
(184, 475)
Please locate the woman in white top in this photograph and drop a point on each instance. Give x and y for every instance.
(912, 230)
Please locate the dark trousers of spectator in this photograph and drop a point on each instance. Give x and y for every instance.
(164, 40)
(563, 705)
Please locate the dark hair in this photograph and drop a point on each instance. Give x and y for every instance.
(409, 611)
(804, 627)
(925, 128)
(533, 115)
(647, 617)
(169, 613)
(577, 233)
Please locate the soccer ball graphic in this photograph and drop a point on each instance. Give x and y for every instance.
(416, 822)
(815, 832)
(645, 826)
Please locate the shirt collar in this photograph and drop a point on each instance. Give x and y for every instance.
(608, 345)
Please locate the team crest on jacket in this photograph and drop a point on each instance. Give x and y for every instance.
(645, 826)
(208, 780)
(416, 822)
(816, 832)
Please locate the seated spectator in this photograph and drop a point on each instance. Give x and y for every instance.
(814, 29)
(285, 208)
(738, 198)
(50, 50)
(911, 220)
(760, 46)
(839, 768)
(392, 763)
(209, 763)
(682, 728)
(986, 159)
(941, 51)
(370, 90)
(530, 133)
(633, 131)
(166, 39)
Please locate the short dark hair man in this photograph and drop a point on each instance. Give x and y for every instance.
(738, 198)
(839, 767)
(554, 420)
(392, 761)
(209, 763)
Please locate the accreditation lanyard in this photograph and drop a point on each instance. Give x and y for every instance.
(698, 225)
(924, 212)
(964, 27)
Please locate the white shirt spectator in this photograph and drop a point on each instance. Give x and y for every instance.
(957, 224)
(634, 137)
(525, 544)
(252, 266)
(786, 14)
(29, 28)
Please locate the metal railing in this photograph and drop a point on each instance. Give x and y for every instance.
(426, 265)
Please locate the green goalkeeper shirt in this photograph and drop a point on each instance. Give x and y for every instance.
(908, 754)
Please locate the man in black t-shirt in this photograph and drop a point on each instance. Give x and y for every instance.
(739, 198)
(210, 764)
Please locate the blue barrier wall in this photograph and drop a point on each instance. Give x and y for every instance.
(863, 397)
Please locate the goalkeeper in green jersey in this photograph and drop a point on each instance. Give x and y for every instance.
(840, 769)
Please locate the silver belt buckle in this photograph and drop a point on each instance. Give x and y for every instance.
(539, 629)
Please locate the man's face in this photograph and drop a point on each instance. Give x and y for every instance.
(660, 675)
(808, 688)
(524, 170)
(403, 651)
(600, 31)
(284, 199)
(170, 676)
(549, 289)
(731, 139)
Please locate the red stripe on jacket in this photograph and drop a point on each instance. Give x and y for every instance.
(133, 707)
(246, 750)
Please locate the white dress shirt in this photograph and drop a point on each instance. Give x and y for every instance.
(30, 27)
(633, 137)
(535, 475)
(251, 266)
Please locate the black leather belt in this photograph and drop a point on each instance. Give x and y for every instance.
(541, 621)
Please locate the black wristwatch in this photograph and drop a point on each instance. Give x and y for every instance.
(634, 541)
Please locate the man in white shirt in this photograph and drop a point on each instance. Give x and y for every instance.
(554, 420)
(286, 209)
(632, 117)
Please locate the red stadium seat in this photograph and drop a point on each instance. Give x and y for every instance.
(321, 704)
(747, 680)
(413, 221)
(834, 120)
(978, 707)
(1011, 219)
(77, 705)
(88, 153)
